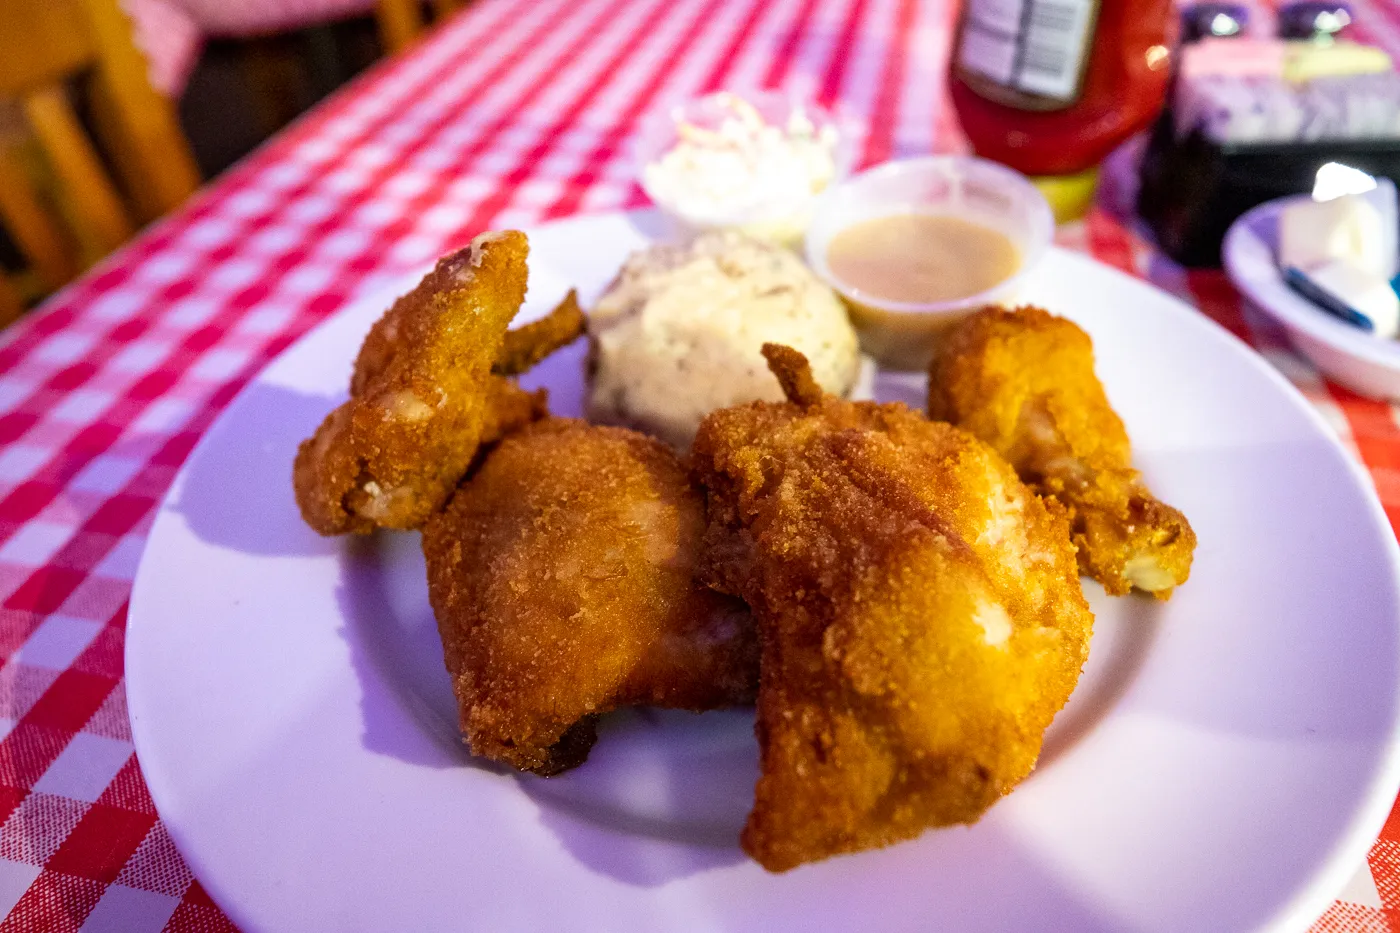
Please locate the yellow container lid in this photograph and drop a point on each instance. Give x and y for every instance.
(1070, 196)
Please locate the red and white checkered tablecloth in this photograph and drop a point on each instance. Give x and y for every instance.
(514, 113)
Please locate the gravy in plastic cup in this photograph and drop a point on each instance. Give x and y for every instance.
(915, 245)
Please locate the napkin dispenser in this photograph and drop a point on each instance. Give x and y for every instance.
(1193, 188)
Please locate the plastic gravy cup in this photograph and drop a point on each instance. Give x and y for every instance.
(902, 334)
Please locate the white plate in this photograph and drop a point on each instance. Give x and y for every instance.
(1224, 765)
(1351, 356)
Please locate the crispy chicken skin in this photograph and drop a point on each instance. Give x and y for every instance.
(1023, 381)
(525, 346)
(423, 396)
(919, 613)
(562, 579)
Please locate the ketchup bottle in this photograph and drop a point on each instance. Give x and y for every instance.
(1051, 87)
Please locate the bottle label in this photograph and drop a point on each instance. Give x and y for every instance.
(1035, 46)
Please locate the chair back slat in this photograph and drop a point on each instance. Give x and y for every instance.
(139, 125)
(35, 231)
(41, 42)
(11, 305)
(69, 211)
(93, 203)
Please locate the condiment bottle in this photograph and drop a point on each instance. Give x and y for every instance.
(1051, 87)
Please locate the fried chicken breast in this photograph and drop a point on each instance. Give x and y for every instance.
(1023, 381)
(423, 396)
(919, 613)
(562, 579)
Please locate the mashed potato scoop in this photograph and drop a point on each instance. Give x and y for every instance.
(680, 332)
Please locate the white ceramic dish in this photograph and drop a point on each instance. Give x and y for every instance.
(1224, 765)
(1367, 364)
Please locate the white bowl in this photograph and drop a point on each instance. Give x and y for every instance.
(901, 334)
(778, 220)
(1362, 362)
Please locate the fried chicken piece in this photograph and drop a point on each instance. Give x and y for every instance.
(562, 579)
(392, 454)
(919, 614)
(526, 346)
(508, 409)
(423, 397)
(1023, 381)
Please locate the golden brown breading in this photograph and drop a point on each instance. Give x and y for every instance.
(525, 346)
(919, 614)
(423, 395)
(509, 408)
(562, 579)
(390, 456)
(1023, 381)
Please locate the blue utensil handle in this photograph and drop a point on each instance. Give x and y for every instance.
(1299, 281)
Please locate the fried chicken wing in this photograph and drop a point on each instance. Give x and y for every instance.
(562, 579)
(1023, 381)
(509, 408)
(919, 613)
(423, 396)
(526, 346)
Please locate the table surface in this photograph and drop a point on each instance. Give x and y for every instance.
(512, 114)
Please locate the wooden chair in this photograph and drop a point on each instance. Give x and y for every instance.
(401, 21)
(46, 157)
